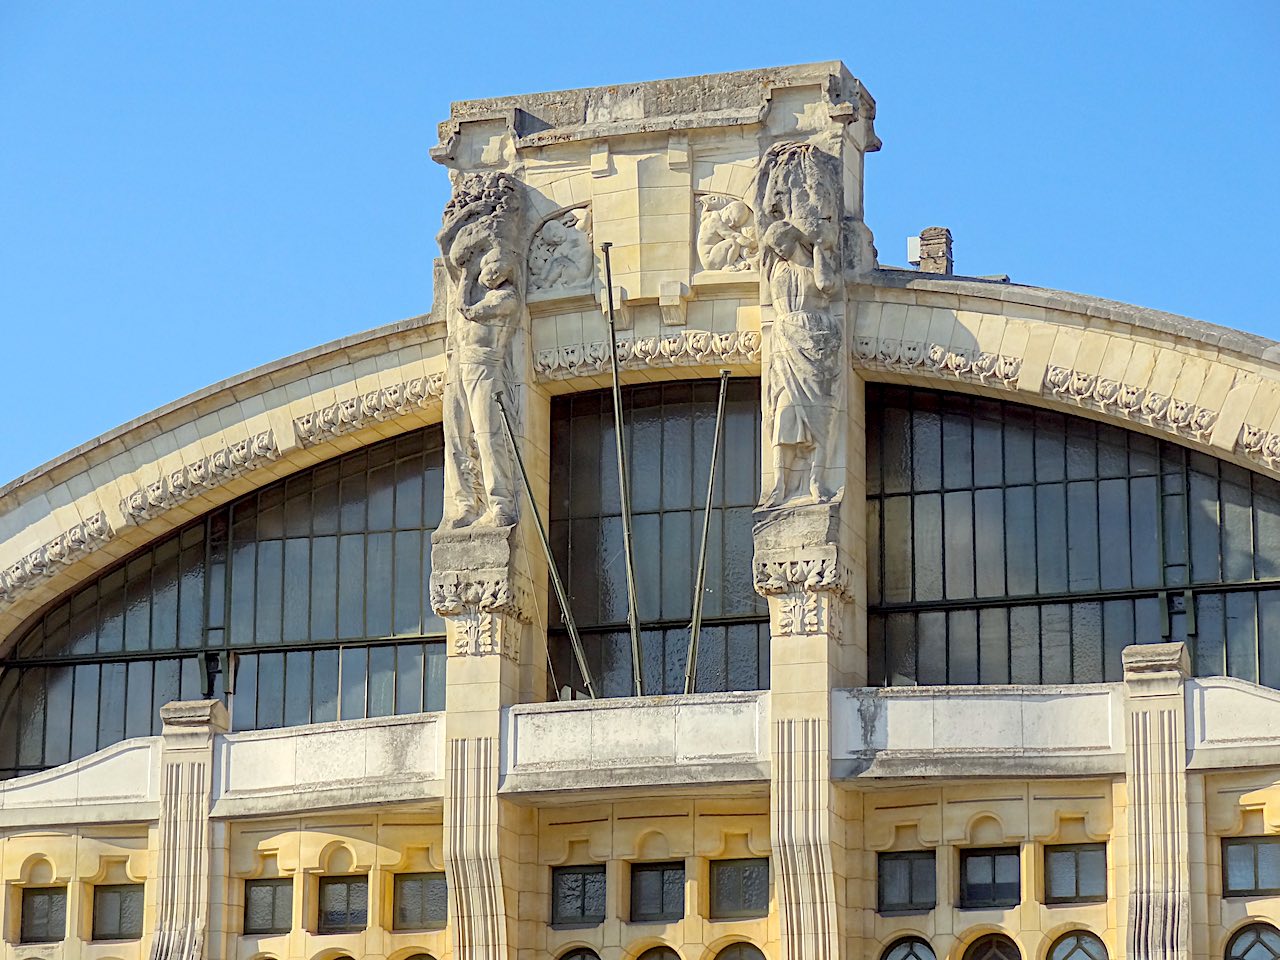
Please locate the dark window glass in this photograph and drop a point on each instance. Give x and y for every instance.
(577, 895)
(905, 881)
(344, 904)
(659, 953)
(909, 948)
(740, 951)
(1075, 873)
(117, 911)
(990, 877)
(669, 431)
(268, 906)
(1258, 941)
(739, 888)
(1078, 945)
(581, 953)
(1048, 543)
(1251, 866)
(421, 901)
(332, 562)
(994, 946)
(657, 892)
(44, 914)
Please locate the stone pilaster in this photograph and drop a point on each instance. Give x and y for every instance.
(1155, 772)
(186, 844)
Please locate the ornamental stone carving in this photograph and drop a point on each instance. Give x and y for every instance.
(798, 215)
(481, 240)
(687, 348)
(478, 602)
(1173, 414)
(560, 256)
(353, 413)
(726, 234)
(63, 550)
(908, 356)
(190, 480)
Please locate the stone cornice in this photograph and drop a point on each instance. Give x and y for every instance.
(63, 550)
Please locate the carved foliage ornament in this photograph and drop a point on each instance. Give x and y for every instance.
(1137, 403)
(912, 355)
(560, 256)
(805, 590)
(63, 550)
(726, 234)
(1259, 445)
(353, 413)
(687, 348)
(479, 603)
(190, 480)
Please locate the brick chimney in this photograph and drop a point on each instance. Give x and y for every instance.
(935, 250)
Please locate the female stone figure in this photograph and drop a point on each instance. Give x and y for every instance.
(798, 206)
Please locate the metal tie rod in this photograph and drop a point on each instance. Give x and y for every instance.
(624, 485)
(561, 594)
(695, 624)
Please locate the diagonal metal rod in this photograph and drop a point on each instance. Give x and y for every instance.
(562, 596)
(695, 625)
(624, 484)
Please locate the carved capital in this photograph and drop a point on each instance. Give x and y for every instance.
(1155, 669)
(475, 584)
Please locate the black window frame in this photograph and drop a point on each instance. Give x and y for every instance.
(911, 942)
(911, 857)
(275, 884)
(1074, 850)
(1257, 930)
(55, 892)
(350, 880)
(662, 868)
(99, 934)
(1077, 940)
(581, 871)
(714, 869)
(1253, 844)
(964, 901)
(426, 878)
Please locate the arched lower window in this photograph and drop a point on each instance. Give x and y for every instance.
(740, 951)
(670, 428)
(1258, 941)
(1078, 945)
(1014, 545)
(659, 953)
(581, 953)
(908, 948)
(311, 593)
(993, 946)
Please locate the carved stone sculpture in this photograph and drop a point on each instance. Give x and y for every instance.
(483, 255)
(798, 215)
(560, 255)
(726, 235)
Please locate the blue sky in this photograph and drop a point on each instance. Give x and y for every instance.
(189, 190)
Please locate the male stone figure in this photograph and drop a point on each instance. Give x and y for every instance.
(480, 240)
(797, 202)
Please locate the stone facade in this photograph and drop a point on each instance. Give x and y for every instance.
(733, 205)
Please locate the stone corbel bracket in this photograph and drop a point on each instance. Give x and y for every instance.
(63, 550)
(806, 584)
(190, 480)
(479, 600)
(684, 349)
(352, 413)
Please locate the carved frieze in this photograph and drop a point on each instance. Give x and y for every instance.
(726, 235)
(63, 550)
(353, 413)
(686, 348)
(1136, 403)
(190, 480)
(907, 356)
(560, 256)
(1259, 445)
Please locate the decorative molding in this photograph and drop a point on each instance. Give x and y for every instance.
(686, 348)
(63, 550)
(908, 356)
(479, 602)
(1136, 403)
(1259, 445)
(472, 850)
(191, 480)
(806, 590)
(351, 414)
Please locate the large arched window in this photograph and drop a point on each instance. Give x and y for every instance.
(1078, 945)
(993, 946)
(740, 951)
(308, 598)
(908, 948)
(1257, 941)
(670, 428)
(1014, 545)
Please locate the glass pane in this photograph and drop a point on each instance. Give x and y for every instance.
(1239, 866)
(1269, 865)
(1092, 866)
(1060, 873)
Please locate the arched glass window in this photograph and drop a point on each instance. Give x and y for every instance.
(1078, 945)
(994, 946)
(1258, 941)
(1014, 545)
(740, 951)
(908, 948)
(581, 953)
(659, 953)
(670, 428)
(310, 595)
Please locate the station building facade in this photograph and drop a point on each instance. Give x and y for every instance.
(989, 639)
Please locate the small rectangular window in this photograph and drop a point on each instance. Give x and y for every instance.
(739, 888)
(344, 904)
(117, 911)
(657, 892)
(1075, 873)
(268, 906)
(906, 881)
(990, 877)
(577, 895)
(421, 901)
(44, 914)
(1251, 866)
